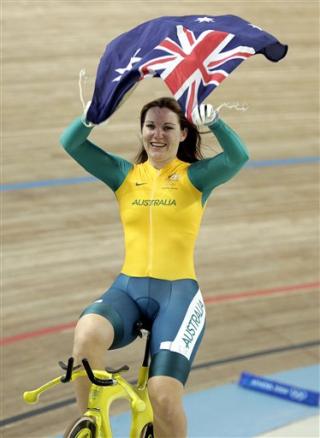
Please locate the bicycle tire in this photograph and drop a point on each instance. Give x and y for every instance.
(147, 431)
(83, 427)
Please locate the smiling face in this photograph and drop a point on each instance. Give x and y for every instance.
(161, 135)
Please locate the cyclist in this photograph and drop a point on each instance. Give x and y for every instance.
(161, 199)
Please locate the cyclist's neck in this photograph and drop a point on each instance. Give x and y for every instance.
(162, 164)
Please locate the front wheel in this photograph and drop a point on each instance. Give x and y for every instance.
(147, 431)
(83, 427)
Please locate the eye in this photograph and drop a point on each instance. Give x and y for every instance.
(168, 128)
(149, 125)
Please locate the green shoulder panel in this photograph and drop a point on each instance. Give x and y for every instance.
(109, 168)
(209, 173)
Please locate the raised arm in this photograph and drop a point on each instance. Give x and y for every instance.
(109, 168)
(207, 174)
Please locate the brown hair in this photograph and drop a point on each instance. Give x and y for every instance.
(189, 149)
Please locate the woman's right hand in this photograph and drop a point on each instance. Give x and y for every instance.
(84, 116)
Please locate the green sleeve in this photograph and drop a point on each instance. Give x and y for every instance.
(207, 174)
(109, 168)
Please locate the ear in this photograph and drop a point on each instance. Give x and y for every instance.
(184, 134)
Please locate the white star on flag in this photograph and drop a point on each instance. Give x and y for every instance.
(205, 20)
(133, 60)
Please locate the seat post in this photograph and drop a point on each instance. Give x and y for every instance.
(145, 362)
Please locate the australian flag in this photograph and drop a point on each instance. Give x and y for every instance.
(191, 54)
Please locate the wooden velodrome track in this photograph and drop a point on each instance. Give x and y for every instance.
(257, 253)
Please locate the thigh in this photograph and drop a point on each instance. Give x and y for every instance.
(120, 309)
(177, 331)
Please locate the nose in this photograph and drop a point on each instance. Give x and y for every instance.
(157, 133)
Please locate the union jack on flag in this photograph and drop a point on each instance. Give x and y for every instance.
(191, 54)
(193, 63)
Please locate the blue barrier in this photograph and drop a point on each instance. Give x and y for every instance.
(279, 389)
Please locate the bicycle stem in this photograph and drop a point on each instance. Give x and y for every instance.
(136, 402)
(33, 396)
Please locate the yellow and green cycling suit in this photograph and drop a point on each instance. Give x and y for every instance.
(161, 212)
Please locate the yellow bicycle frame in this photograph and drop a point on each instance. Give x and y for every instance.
(101, 398)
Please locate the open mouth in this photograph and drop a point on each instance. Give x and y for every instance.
(158, 145)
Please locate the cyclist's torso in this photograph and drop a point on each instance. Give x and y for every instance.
(161, 212)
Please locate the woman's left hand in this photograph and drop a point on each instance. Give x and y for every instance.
(204, 114)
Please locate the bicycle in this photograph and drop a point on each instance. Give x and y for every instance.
(107, 386)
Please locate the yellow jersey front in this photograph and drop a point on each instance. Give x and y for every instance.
(161, 212)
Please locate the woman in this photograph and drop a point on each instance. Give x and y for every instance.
(161, 200)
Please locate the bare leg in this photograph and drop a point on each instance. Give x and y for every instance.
(166, 398)
(93, 336)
